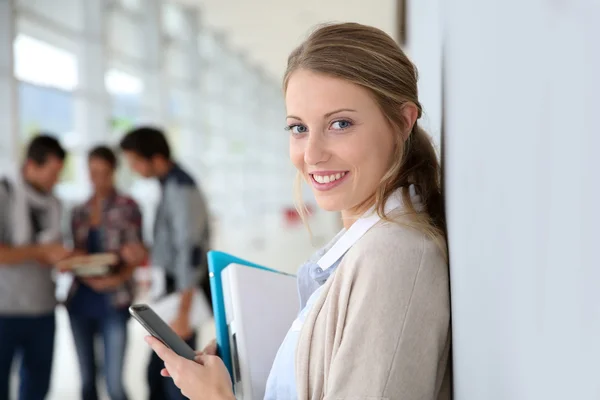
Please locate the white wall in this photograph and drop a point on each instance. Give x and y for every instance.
(424, 48)
(523, 197)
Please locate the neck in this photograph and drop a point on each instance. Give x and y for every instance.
(351, 215)
(348, 220)
(31, 182)
(103, 193)
(163, 169)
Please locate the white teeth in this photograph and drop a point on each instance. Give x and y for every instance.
(328, 178)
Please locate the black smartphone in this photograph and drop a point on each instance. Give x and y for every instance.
(161, 330)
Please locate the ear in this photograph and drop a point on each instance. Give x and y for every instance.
(410, 114)
(28, 164)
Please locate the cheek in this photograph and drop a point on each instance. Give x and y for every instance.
(55, 175)
(103, 178)
(139, 167)
(359, 154)
(371, 158)
(297, 154)
(383, 149)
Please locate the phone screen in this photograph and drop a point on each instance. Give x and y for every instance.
(158, 328)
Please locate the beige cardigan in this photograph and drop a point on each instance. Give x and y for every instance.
(381, 327)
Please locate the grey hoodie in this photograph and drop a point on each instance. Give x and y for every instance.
(26, 289)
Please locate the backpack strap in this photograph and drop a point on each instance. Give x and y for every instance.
(5, 229)
(6, 185)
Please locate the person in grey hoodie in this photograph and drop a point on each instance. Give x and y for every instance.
(30, 245)
(181, 237)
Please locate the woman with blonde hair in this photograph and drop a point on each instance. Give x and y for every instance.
(375, 319)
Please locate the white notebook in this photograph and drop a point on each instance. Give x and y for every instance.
(260, 306)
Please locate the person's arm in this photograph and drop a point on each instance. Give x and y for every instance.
(18, 255)
(133, 236)
(131, 252)
(396, 333)
(11, 255)
(184, 220)
(79, 246)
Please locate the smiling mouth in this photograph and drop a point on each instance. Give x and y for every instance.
(326, 181)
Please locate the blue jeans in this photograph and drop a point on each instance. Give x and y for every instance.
(33, 338)
(163, 388)
(112, 327)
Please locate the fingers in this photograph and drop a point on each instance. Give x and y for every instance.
(205, 359)
(165, 373)
(91, 283)
(211, 348)
(62, 266)
(98, 284)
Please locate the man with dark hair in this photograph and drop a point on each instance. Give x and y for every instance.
(181, 236)
(147, 151)
(30, 245)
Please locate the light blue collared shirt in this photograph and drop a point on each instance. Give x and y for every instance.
(311, 278)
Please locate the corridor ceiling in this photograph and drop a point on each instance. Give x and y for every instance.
(265, 31)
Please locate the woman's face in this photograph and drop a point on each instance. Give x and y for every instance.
(101, 174)
(340, 141)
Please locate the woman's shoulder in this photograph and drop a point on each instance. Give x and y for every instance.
(393, 249)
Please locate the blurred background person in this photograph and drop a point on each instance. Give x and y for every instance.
(98, 307)
(30, 244)
(181, 238)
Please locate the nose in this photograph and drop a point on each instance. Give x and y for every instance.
(315, 151)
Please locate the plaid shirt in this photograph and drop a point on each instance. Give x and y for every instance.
(121, 223)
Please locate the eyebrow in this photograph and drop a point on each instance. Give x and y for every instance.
(329, 114)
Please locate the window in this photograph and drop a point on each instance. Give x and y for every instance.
(126, 96)
(42, 64)
(47, 75)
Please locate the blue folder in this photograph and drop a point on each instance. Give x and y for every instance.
(217, 262)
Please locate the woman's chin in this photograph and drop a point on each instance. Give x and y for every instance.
(328, 204)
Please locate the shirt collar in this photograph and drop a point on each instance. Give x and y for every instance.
(110, 199)
(362, 225)
(172, 171)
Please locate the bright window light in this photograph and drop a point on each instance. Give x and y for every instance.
(40, 63)
(119, 82)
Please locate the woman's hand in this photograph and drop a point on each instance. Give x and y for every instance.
(104, 284)
(209, 350)
(52, 254)
(206, 378)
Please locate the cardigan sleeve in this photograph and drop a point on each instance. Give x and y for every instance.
(395, 316)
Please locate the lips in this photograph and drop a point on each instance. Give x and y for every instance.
(326, 180)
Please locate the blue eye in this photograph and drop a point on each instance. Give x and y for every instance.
(297, 129)
(341, 124)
